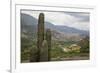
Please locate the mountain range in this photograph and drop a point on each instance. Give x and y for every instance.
(59, 32)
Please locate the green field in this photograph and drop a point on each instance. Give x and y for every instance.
(28, 48)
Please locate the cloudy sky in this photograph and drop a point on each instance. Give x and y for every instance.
(76, 20)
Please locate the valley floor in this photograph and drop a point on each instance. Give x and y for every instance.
(70, 58)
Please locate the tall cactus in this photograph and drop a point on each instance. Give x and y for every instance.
(40, 33)
(43, 41)
(48, 38)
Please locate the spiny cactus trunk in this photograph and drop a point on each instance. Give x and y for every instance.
(44, 51)
(48, 38)
(40, 34)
